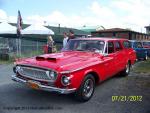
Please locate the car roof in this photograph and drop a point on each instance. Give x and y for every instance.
(134, 41)
(101, 38)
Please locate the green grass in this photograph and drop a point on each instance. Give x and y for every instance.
(142, 67)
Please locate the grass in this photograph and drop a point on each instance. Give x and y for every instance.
(142, 67)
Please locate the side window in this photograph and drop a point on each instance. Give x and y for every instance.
(118, 46)
(126, 44)
(137, 45)
(110, 47)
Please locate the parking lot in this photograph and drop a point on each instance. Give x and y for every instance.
(17, 98)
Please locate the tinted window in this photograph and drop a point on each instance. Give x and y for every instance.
(127, 44)
(118, 46)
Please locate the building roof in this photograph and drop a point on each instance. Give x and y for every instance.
(91, 28)
(6, 28)
(101, 38)
(37, 29)
(113, 30)
(58, 30)
(147, 26)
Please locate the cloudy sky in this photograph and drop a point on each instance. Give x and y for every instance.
(133, 14)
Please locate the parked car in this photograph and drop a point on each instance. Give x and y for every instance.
(82, 64)
(146, 44)
(141, 52)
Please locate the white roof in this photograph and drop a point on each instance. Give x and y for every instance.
(6, 28)
(37, 29)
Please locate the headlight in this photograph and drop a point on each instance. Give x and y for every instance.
(16, 69)
(51, 74)
(65, 80)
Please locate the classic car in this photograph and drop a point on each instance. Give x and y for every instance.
(82, 64)
(141, 52)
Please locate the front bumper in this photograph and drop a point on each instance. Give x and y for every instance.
(44, 87)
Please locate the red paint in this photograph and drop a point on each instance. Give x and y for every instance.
(79, 63)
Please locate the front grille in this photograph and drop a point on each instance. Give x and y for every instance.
(34, 73)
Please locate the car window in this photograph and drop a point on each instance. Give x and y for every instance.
(126, 44)
(109, 48)
(85, 45)
(118, 46)
(138, 45)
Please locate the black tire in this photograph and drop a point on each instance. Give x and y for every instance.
(86, 90)
(126, 71)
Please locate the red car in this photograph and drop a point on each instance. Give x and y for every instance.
(82, 64)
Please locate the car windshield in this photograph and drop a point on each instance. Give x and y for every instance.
(146, 43)
(85, 45)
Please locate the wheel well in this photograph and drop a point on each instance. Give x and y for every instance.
(97, 79)
(129, 62)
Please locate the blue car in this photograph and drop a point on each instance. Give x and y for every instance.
(141, 52)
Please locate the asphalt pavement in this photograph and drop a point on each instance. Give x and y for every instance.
(17, 98)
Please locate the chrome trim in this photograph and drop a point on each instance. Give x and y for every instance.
(38, 68)
(35, 66)
(44, 87)
(69, 77)
(105, 47)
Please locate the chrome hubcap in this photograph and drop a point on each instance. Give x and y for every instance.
(127, 68)
(88, 88)
(146, 57)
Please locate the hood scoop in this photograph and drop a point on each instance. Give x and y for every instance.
(40, 58)
(51, 59)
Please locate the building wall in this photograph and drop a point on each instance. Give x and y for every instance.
(128, 35)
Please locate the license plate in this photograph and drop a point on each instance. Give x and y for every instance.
(33, 85)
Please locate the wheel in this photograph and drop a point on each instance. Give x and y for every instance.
(126, 71)
(146, 57)
(86, 90)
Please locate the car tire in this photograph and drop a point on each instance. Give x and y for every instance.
(86, 89)
(126, 71)
(146, 57)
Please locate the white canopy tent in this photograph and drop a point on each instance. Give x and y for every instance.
(37, 29)
(6, 28)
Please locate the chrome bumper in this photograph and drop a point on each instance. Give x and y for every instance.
(44, 87)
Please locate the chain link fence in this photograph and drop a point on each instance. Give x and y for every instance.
(11, 48)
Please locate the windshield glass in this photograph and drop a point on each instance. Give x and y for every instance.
(85, 45)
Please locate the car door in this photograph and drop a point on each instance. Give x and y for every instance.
(109, 62)
(120, 56)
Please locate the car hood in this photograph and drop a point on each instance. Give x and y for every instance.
(64, 61)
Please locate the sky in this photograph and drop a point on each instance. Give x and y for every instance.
(131, 14)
